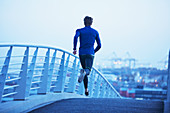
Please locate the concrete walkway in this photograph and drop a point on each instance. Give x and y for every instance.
(34, 102)
(101, 105)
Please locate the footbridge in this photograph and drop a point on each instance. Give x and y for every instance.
(44, 79)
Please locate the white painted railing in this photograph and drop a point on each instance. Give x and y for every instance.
(31, 70)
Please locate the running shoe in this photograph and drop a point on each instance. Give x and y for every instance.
(87, 93)
(81, 77)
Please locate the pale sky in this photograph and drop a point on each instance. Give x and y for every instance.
(140, 27)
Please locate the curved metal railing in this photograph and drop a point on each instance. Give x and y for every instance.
(30, 70)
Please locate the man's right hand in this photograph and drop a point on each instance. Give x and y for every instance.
(74, 52)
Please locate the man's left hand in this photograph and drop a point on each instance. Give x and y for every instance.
(74, 52)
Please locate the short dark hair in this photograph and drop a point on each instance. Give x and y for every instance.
(88, 21)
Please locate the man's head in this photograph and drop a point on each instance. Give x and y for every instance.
(88, 21)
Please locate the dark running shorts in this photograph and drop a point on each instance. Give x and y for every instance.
(86, 61)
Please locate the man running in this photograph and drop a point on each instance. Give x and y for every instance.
(88, 36)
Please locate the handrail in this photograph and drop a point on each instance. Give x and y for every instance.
(58, 72)
(35, 46)
(107, 82)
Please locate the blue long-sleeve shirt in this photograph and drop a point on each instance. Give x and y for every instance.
(87, 36)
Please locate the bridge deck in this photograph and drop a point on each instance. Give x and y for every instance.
(34, 102)
(101, 105)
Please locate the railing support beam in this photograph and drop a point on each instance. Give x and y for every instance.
(51, 70)
(4, 72)
(91, 83)
(73, 77)
(30, 72)
(21, 90)
(97, 88)
(62, 74)
(102, 90)
(44, 78)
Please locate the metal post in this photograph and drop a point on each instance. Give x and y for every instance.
(110, 92)
(51, 70)
(44, 78)
(4, 71)
(167, 103)
(73, 77)
(97, 87)
(81, 89)
(62, 75)
(102, 90)
(107, 91)
(30, 72)
(21, 90)
(91, 83)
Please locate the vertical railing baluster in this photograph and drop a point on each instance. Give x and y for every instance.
(65, 73)
(109, 92)
(4, 71)
(91, 82)
(73, 77)
(51, 70)
(30, 72)
(112, 94)
(44, 77)
(106, 91)
(76, 74)
(102, 89)
(97, 87)
(62, 75)
(21, 89)
(81, 88)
